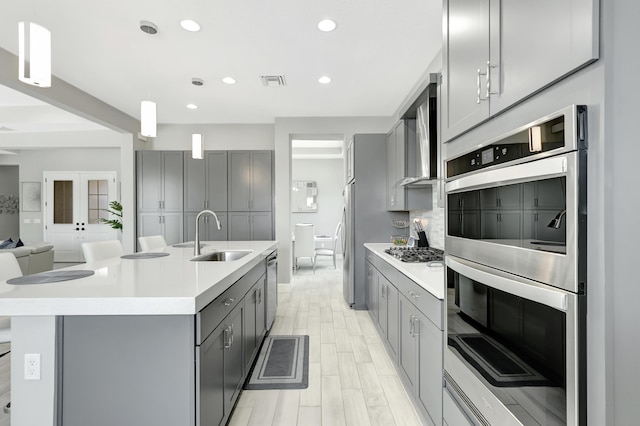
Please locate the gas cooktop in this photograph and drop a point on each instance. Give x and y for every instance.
(416, 254)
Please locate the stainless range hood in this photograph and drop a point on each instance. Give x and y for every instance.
(424, 170)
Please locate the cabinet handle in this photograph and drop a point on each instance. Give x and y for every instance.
(488, 74)
(411, 325)
(228, 302)
(478, 98)
(414, 295)
(260, 293)
(227, 337)
(413, 322)
(232, 335)
(159, 204)
(159, 219)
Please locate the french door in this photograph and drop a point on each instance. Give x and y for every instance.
(74, 204)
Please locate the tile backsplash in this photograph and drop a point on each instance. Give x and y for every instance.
(432, 222)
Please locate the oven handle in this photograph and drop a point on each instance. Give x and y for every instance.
(535, 170)
(527, 289)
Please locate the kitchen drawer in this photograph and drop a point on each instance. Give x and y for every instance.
(430, 306)
(390, 272)
(213, 314)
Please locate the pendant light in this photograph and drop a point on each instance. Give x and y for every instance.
(197, 149)
(148, 122)
(34, 54)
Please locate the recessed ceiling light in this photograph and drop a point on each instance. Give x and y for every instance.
(229, 80)
(190, 25)
(192, 106)
(326, 25)
(324, 79)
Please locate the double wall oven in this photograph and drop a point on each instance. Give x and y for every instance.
(516, 275)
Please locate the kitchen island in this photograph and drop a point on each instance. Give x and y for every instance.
(124, 345)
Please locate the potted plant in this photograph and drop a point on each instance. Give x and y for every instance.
(115, 210)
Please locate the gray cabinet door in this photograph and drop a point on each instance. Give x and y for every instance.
(465, 56)
(150, 224)
(216, 195)
(400, 166)
(373, 300)
(250, 333)
(239, 226)
(149, 176)
(383, 286)
(392, 319)
(195, 178)
(570, 40)
(212, 375)
(261, 181)
(239, 193)
(172, 227)
(233, 361)
(391, 172)
(430, 365)
(408, 345)
(261, 226)
(172, 181)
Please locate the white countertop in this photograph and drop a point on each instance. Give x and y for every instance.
(429, 278)
(169, 285)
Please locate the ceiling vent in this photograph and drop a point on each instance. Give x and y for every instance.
(273, 80)
(5, 129)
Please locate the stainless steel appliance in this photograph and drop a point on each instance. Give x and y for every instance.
(365, 216)
(272, 288)
(424, 167)
(415, 254)
(516, 275)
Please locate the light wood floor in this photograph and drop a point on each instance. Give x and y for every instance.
(351, 378)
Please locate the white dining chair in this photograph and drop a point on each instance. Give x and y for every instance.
(323, 251)
(100, 250)
(305, 245)
(152, 242)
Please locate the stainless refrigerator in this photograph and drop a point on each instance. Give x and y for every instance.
(365, 214)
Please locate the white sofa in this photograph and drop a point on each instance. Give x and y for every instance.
(33, 257)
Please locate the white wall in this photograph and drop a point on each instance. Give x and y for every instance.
(327, 173)
(9, 185)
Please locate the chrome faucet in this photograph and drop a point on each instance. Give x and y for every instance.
(556, 222)
(196, 244)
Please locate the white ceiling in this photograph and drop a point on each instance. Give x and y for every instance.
(376, 55)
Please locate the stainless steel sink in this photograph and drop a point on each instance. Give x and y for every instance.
(221, 256)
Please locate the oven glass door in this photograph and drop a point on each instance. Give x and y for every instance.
(516, 341)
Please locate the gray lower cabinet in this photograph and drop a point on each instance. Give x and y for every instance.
(254, 324)
(410, 321)
(250, 226)
(388, 313)
(169, 225)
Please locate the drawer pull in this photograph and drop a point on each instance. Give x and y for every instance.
(414, 295)
(228, 302)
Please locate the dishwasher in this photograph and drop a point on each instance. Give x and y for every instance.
(272, 288)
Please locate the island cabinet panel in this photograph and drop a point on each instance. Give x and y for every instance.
(122, 370)
(254, 324)
(210, 357)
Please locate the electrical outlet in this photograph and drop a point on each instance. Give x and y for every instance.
(32, 366)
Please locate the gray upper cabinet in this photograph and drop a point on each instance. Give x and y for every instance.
(159, 181)
(250, 181)
(396, 166)
(205, 182)
(495, 54)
